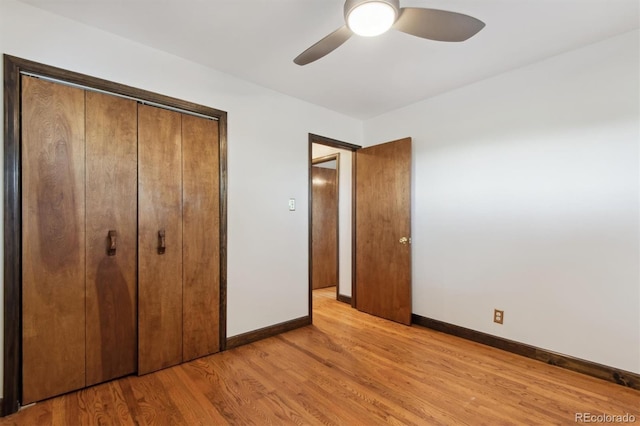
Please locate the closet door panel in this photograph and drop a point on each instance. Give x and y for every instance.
(111, 287)
(201, 246)
(53, 242)
(159, 210)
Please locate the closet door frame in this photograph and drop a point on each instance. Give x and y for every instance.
(13, 68)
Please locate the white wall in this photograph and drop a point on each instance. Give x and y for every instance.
(268, 152)
(345, 185)
(526, 189)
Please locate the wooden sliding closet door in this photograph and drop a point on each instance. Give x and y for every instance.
(111, 286)
(53, 239)
(159, 239)
(201, 227)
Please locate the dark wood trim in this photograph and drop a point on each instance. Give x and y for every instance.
(13, 66)
(621, 377)
(310, 237)
(334, 143)
(354, 159)
(222, 126)
(43, 70)
(344, 299)
(326, 158)
(338, 180)
(12, 240)
(263, 333)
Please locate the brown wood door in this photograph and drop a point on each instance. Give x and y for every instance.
(324, 229)
(53, 240)
(111, 197)
(159, 223)
(383, 230)
(201, 242)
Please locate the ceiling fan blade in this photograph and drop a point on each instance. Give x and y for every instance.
(324, 46)
(440, 25)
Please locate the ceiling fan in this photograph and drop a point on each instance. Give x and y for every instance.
(374, 17)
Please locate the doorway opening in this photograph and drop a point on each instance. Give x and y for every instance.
(331, 183)
(325, 184)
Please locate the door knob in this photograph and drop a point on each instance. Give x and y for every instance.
(405, 240)
(113, 237)
(162, 245)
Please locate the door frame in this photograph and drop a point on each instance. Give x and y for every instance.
(334, 143)
(13, 68)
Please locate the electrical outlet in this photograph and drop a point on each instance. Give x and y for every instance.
(498, 316)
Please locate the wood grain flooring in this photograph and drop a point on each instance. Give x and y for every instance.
(349, 368)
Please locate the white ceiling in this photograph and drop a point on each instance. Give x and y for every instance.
(257, 40)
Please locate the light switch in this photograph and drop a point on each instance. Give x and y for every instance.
(292, 204)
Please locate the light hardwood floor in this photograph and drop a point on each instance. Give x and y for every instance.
(348, 368)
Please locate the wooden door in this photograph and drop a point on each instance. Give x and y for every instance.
(324, 227)
(201, 242)
(53, 240)
(111, 197)
(159, 239)
(383, 230)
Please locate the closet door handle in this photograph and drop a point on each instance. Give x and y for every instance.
(161, 242)
(113, 238)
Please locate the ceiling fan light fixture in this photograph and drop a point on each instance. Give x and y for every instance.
(430, 24)
(370, 18)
